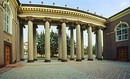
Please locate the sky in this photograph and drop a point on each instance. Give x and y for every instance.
(106, 8)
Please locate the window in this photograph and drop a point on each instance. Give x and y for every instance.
(7, 19)
(122, 32)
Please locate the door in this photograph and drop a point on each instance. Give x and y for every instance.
(7, 54)
(122, 53)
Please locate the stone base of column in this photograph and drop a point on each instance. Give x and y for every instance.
(99, 59)
(78, 59)
(63, 60)
(47, 61)
(90, 59)
(72, 59)
(30, 61)
(35, 59)
(21, 59)
(82, 58)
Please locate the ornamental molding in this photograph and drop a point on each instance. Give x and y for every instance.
(60, 12)
(119, 15)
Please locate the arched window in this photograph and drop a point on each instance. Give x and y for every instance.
(7, 19)
(122, 32)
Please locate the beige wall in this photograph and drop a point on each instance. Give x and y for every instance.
(14, 37)
(1, 37)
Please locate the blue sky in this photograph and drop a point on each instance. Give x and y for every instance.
(105, 8)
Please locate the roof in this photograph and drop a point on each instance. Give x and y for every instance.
(59, 7)
(119, 12)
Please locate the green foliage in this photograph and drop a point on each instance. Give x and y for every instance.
(41, 43)
(86, 50)
(68, 44)
(53, 43)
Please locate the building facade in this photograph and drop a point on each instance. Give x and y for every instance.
(9, 37)
(117, 37)
(14, 16)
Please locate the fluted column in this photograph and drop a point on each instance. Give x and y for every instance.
(78, 40)
(90, 52)
(72, 44)
(35, 43)
(82, 44)
(99, 45)
(30, 40)
(64, 44)
(59, 43)
(47, 41)
(21, 43)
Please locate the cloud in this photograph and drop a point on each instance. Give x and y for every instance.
(124, 4)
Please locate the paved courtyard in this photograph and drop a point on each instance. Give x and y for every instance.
(69, 70)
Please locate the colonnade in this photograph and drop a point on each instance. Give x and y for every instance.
(62, 43)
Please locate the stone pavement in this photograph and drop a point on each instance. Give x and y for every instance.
(69, 70)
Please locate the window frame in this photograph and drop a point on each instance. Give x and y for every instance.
(122, 34)
(7, 19)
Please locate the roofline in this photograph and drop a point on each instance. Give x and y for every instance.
(119, 13)
(66, 8)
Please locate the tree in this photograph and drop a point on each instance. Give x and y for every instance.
(41, 43)
(54, 43)
(68, 44)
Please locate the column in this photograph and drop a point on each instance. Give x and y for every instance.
(64, 44)
(99, 45)
(82, 44)
(78, 40)
(59, 43)
(96, 52)
(30, 40)
(21, 43)
(47, 41)
(35, 43)
(72, 44)
(90, 53)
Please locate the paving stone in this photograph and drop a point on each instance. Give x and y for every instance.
(69, 70)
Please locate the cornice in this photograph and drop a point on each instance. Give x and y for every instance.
(58, 11)
(119, 15)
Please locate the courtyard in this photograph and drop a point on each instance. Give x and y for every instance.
(67, 70)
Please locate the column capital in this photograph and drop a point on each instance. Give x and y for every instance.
(47, 19)
(64, 20)
(29, 18)
(83, 27)
(78, 23)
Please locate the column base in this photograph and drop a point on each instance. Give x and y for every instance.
(99, 59)
(78, 59)
(90, 59)
(30, 61)
(72, 59)
(47, 61)
(63, 60)
(21, 59)
(35, 59)
(82, 58)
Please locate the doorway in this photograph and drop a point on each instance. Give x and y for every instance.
(7, 52)
(122, 53)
